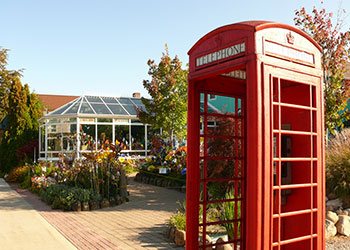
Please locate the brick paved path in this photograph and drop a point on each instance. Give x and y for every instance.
(138, 224)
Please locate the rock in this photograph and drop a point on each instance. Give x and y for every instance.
(336, 203)
(223, 246)
(180, 237)
(333, 217)
(208, 240)
(331, 230)
(343, 225)
(159, 182)
(342, 212)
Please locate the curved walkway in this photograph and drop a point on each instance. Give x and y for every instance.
(138, 224)
(21, 227)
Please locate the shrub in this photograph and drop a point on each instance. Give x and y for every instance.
(26, 183)
(338, 165)
(228, 213)
(178, 221)
(63, 197)
(18, 174)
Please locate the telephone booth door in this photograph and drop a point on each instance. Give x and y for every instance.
(255, 166)
(221, 160)
(295, 178)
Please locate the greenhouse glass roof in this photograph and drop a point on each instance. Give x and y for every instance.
(100, 105)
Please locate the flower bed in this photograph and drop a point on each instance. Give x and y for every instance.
(161, 180)
(93, 181)
(166, 167)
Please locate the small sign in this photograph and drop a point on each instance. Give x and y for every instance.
(163, 170)
(221, 54)
(278, 50)
(238, 74)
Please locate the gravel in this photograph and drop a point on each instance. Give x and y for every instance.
(338, 243)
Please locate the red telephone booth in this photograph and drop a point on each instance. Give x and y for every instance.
(255, 177)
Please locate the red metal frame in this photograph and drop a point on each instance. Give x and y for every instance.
(274, 156)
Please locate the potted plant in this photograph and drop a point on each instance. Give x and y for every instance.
(94, 202)
(82, 197)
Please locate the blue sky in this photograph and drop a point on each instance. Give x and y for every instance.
(102, 46)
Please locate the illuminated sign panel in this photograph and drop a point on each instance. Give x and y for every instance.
(279, 50)
(221, 54)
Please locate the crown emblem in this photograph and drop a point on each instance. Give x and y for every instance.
(290, 38)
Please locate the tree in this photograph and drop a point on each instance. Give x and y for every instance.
(335, 55)
(21, 110)
(167, 108)
(6, 77)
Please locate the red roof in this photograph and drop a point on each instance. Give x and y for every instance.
(52, 102)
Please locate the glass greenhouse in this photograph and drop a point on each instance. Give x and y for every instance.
(89, 122)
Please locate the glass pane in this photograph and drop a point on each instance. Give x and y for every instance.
(86, 109)
(54, 120)
(73, 109)
(42, 138)
(60, 110)
(54, 142)
(109, 100)
(68, 120)
(222, 169)
(295, 93)
(104, 120)
(151, 133)
(122, 136)
(201, 102)
(131, 109)
(69, 142)
(95, 99)
(124, 100)
(224, 147)
(221, 104)
(138, 137)
(104, 136)
(117, 109)
(138, 102)
(100, 109)
(52, 129)
(223, 126)
(88, 132)
(218, 190)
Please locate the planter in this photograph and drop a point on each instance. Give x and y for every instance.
(76, 206)
(104, 203)
(94, 205)
(162, 180)
(85, 206)
(112, 202)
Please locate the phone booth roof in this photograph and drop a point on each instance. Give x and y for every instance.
(215, 50)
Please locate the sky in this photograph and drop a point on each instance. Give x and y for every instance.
(101, 47)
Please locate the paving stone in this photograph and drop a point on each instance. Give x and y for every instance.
(138, 224)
